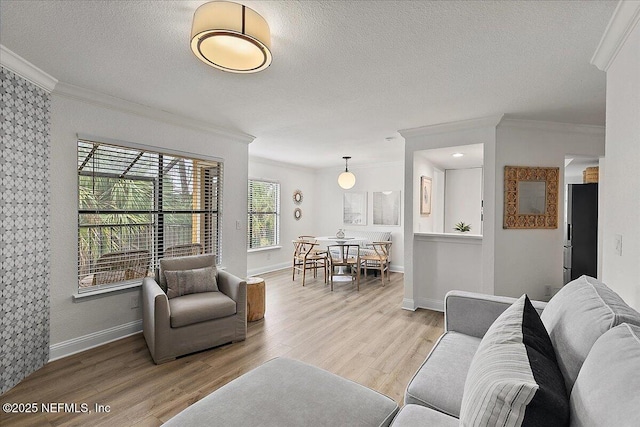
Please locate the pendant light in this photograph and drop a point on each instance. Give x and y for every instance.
(346, 179)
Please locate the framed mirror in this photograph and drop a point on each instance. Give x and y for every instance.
(530, 197)
(297, 214)
(297, 197)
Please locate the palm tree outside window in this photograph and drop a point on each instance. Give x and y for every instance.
(135, 204)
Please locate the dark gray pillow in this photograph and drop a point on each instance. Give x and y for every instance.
(514, 379)
(185, 282)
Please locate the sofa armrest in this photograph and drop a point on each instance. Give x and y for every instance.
(472, 313)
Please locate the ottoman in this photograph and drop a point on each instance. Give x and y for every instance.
(286, 392)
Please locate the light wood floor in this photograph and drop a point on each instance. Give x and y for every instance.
(364, 336)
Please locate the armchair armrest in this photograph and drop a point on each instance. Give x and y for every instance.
(232, 286)
(236, 289)
(155, 310)
(472, 313)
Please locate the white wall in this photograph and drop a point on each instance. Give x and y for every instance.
(621, 186)
(370, 178)
(447, 262)
(527, 260)
(476, 131)
(291, 178)
(463, 199)
(72, 320)
(433, 223)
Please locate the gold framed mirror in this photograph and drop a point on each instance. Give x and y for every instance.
(530, 197)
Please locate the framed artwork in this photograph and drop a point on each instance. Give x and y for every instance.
(354, 208)
(425, 195)
(386, 208)
(530, 197)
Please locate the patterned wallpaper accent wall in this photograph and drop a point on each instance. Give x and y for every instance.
(24, 228)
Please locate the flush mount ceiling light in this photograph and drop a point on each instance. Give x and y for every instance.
(346, 179)
(457, 154)
(231, 37)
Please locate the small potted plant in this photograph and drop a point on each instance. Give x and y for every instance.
(462, 227)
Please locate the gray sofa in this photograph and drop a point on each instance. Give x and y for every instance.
(174, 327)
(595, 335)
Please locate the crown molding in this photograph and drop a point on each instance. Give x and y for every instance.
(552, 126)
(491, 121)
(621, 24)
(25, 69)
(107, 101)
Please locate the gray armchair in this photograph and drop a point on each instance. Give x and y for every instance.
(189, 323)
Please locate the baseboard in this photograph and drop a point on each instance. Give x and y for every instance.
(429, 304)
(397, 268)
(268, 269)
(282, 266)
(95, 339)
(408, 304)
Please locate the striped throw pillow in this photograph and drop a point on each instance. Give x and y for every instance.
(514, 378)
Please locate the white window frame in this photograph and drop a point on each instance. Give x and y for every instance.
(276, 213)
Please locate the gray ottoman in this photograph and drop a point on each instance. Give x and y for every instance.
(285, 392)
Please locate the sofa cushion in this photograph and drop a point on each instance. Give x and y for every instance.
(439, 382)
(185, 282)
(196, 308)
(418, 415)
(514, 379)
(285, 392)
(577, 316)
(607, 390)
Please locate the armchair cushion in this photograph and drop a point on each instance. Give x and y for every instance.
(185, 282)
(196, 308)
(182, 263)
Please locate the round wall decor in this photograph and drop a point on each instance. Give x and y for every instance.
(297, 197)
(297, 214)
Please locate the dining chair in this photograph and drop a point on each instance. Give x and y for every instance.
(347, 258)
(306, 258)
(312, 239)
(378, 259)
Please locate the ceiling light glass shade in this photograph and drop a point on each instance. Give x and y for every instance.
(346, 180)
(231, 37)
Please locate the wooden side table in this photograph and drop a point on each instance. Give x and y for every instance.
(255, 298)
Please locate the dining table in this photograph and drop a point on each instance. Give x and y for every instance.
(325, 241)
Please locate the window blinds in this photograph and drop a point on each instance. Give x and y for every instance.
(263, 228)
(136, 206)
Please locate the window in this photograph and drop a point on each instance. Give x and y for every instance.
(263, 228)
(136, 206)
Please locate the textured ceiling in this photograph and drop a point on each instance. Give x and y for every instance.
(345, 75)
